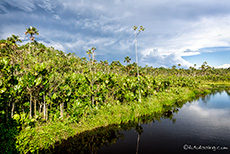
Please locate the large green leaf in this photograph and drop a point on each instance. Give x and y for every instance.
(38, 81)
(2, 90)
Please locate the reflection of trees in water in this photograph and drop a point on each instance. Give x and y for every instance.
(139, 131)
(207, 98)
(228, 92)
(91, 141)
(88, 141)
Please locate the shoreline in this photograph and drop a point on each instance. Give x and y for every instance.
(46, 136)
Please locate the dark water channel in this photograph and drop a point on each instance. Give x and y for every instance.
(199, 126)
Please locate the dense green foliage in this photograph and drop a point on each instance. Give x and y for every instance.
(39, 84)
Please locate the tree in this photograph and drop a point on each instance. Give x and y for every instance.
(13, 40)
(127, 59)
(136, 34)
(89, 53)
(204, 67)
(93, 49)
(31, 30)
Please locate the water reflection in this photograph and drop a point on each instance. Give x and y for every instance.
(203, 121)
(91, 141)
(210, 111)
(139, 131)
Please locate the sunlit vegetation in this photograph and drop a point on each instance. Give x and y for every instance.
(47, 95)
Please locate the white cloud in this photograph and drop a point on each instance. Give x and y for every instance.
(224, 66)
(156, 59)
(56, 17)
(200, 114)
(46, 6)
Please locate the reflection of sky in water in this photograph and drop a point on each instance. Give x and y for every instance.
(198, 121)
(208, 119)
(219, 100)
(202, 122)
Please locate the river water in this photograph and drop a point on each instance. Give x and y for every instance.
(199, 126)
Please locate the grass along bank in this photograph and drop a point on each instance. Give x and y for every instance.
(43, 136)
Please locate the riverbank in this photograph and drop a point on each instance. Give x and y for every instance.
(44, 136)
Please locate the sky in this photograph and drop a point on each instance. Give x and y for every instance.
(185, 32)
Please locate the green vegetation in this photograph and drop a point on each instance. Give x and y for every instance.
(47, 96)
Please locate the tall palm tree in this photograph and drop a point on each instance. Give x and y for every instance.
(136, 34)
(89, 52)
(139, 131)
(31, 30)
(93, 49)
(127, 59)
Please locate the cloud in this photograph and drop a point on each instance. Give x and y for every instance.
(156, 59)
(183, 28)
(224, 66)
(3, 9)
(199, 114)
(46, 6)
(25, 5)
(49, 7)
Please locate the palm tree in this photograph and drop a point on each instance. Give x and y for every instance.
(136, 34)
(139, 131)
(89, 52)
(93, 49)
(11, 42)
(203, 67)
(127, 59)
(31, 30)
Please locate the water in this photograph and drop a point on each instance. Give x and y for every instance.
(200, 126)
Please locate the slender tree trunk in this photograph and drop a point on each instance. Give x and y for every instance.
(92, 98)
(12, 110)
(40, 109)
(92, 95)
(137, 67)
(138, 143)
(47, 108)
(44, 107)
(30, 106)
(138, 139)
(35, 108)
(62, 109)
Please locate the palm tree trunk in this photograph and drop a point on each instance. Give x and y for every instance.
(62, 109)
(35, 108)
(137, 67)
(30, 106)
(138, 143)
(12, 110)
(44, 107)
(47, 112)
